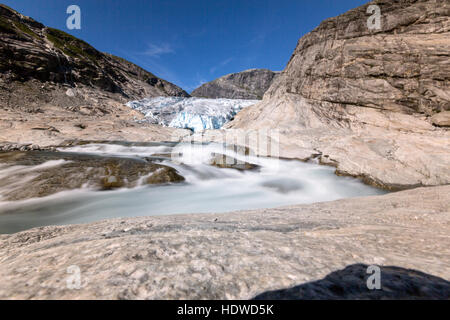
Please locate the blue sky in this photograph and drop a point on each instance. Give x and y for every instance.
(191, 42)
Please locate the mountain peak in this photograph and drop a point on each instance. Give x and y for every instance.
(250, 84)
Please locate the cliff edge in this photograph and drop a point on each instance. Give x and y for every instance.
(373, 103)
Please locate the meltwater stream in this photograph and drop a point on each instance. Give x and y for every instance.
(207, 188)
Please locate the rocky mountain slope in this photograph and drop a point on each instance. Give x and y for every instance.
(391, 139)
(54, 86)
(34, 55)
(373, 103)
(249, 84)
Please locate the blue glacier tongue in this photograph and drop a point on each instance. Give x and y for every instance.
(197, 114)
(199, 122)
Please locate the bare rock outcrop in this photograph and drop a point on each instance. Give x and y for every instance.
(250, 84)
(36, 174)
(404, 67)
(239, 255)
(42, 66)
(373, 103)
(55, 87)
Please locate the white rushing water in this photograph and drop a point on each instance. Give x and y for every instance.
(207, 188)
(197, 114)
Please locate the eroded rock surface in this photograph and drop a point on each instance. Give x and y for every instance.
(249, 84)
(229, 256)
(403, 67)
(441, 119)
(57, 61)
(373, 103)
(27, 175)
(54, 86)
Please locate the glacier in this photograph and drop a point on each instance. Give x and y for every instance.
(196, 114)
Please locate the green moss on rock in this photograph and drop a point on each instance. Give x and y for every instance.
(26, 30)
(6, 26)
(72, 46)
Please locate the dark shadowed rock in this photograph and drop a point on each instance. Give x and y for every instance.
(441, 119)
(40, 174)
(351, 283)
(164, 175)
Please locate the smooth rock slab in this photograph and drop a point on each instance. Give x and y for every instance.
(25, 175)
(229, 256)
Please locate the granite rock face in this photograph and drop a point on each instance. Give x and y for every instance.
(249, 84)
(403, 67)
(240, 255)
(364, 122)
(41, 65)
(373, 103)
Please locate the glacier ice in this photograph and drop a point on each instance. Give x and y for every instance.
(197, 114)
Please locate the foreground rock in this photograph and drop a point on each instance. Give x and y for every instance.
(373, 103)
(232, 256)
(27, 175)
(249, 84)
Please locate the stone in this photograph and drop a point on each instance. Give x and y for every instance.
(250, 84)
(441, 119)
(164, 175)
(74, 171)
(351, 283)
(223, 161)
(70, 93)
(364, 98)
(42, 65)
(243, 255)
